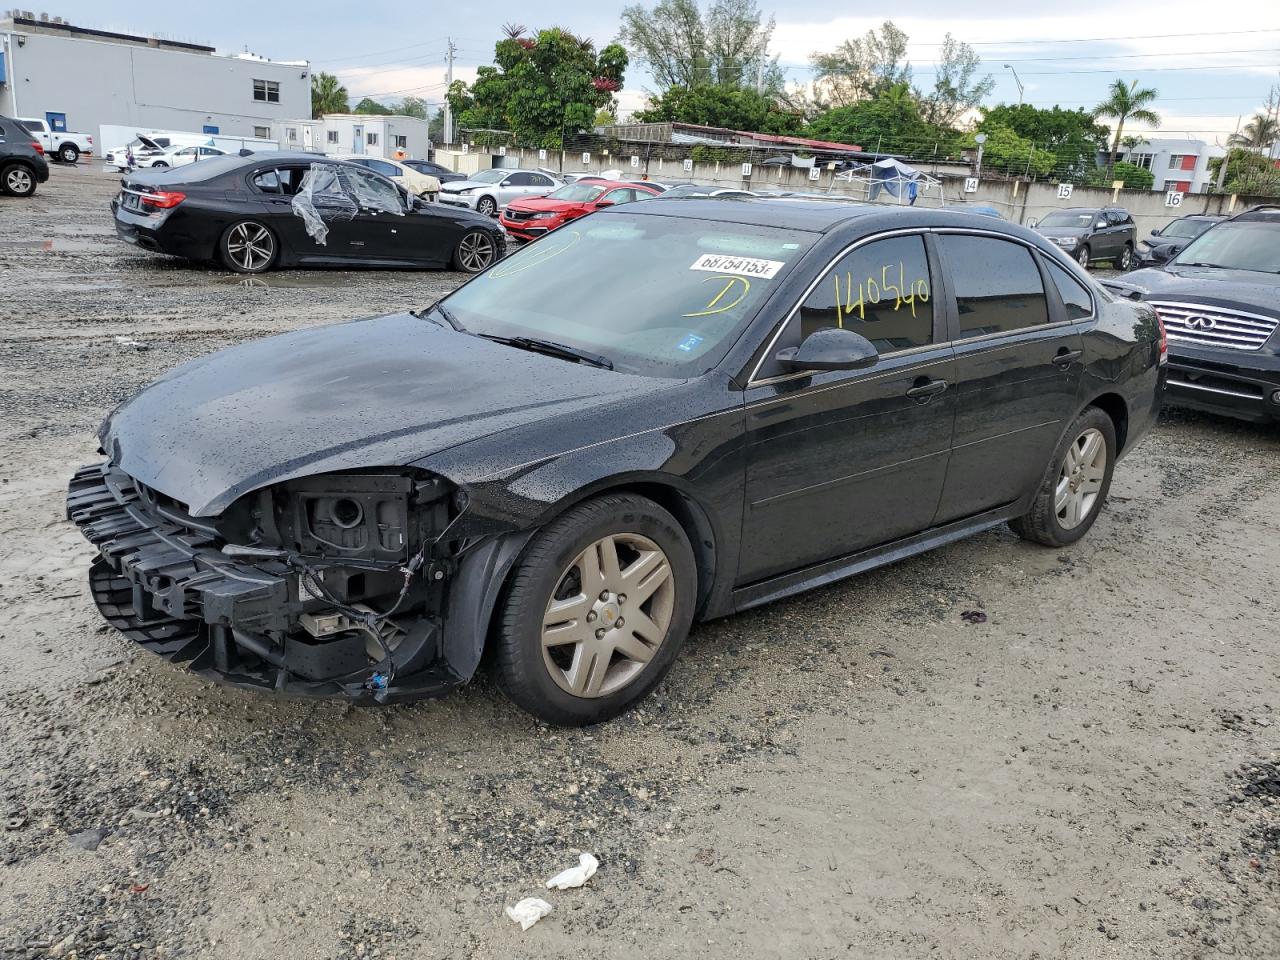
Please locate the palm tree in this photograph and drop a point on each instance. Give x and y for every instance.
(327, 95)
(1127, 101)
(1261, 131)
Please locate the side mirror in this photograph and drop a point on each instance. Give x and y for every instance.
(505, 183)
(1100, 225)
(603, 203)
(1155, 232)
(833, 348)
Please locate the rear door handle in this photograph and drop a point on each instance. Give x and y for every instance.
(1064, 358)
(926, 389)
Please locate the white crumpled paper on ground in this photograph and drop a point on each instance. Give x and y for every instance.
(528, 911)
(575, 876)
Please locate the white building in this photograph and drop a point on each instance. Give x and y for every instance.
(79, 79)
(1181, 165)
(374, 135)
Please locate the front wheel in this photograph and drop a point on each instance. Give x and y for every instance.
(476, 250)
(68, 153)
(1125, 260)
(159, 165)
(596, 611)
(1075, 484)
(17, 180)
(1082, 256)
(248, 247)
(486, 206)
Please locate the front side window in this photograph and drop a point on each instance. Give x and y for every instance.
(1074, 296)
(384, 192)
(619, 196)
(882, 290)
(661, 296)
(266, 91)
(997, 285)
(521, 180)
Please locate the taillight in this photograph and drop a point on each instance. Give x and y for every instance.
(163, 199)
(90, 139)
(38, 147)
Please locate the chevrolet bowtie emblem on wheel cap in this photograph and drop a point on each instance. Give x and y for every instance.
(1201, 323)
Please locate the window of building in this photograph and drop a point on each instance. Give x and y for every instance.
(371, 139)
(882, 290)
(291, 134)
(262, 132)
(1182, 161)
(331, 136)
(1180, 186)
(998, 287)
(1142, 160)
(266, 91)
(402, 141)
(1074, 296)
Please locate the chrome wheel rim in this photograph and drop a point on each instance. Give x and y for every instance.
(476, 251)
(1082, 257)
(1126, 258)
(19, 181)
(608, 615)
(69, 155)
(486, 206)
(1080, 479)
(250, 246)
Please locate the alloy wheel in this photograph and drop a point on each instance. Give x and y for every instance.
(608, 615)
(250, 246)
(19, 181)
(1080, 480)
(1126, 259)
(70, 154)
(1082, 257)
(486, 206)
(476, 251)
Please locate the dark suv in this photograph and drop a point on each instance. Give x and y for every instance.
(1090, 233)
(22, 162)
(1220, 302)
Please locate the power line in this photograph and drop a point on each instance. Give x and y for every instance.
(1139, 56)
(413, 61)
(1149, 36)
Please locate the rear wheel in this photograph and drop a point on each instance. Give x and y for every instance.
(248, 247)
(1125, 260)
(68, 153)
(17, 180)
(159, 165)
(596, 611)
(1075, 484)
(487, 206)
(476, 250)
(1082, 255)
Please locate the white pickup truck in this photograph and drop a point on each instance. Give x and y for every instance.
(58, 144)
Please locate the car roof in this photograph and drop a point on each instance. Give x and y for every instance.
(1265, 213)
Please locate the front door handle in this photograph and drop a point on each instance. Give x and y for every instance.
(1065, 358)
(925, 389)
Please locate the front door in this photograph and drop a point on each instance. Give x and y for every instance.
(840, 461)
(1018, 365)
(357, 138)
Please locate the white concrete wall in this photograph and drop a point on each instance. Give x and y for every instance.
(385, 128)
(95, 82)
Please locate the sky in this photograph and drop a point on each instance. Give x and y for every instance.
(1209, 70)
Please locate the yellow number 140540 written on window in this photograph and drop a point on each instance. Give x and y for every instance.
(874, 291)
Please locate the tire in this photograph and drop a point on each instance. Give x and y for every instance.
(1125, 260)
(1082, 256)
(69, 153)
(564, 683)
(248, 246)
(1068, 500)
(476, 251)
(17, 180)
(159, 165)
(486, 206)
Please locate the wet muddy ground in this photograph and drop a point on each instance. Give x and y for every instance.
(857, 772)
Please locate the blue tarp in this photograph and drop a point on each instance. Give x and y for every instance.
(895, 178)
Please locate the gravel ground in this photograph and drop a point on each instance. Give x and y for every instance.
(857, 772)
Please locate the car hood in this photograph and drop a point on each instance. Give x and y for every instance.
(1063, 231)
(546, 203)
(386, 391)
(1239, 289)
(456, 185)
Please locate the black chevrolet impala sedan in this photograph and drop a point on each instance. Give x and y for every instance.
(662, 413)
(272, 210)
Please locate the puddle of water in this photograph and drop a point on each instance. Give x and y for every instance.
(312, 278)
(50, 246)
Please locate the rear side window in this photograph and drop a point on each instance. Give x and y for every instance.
(997, 285)
(1074, 296)
(882, 290)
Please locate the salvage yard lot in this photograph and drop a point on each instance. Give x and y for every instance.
(856, 772)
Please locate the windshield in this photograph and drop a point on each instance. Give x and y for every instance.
(578, 192)
(1186, 228)
(656, 295)
(1239, 245)
(1068, 218)
(490, 176)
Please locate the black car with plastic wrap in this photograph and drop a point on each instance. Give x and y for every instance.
(661, 413)
(1220, 302)
(271, 210)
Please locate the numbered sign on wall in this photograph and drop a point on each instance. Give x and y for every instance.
(814, 173)
(1173, 198)
(466, 148)
(586, 158)
(746, 170)
(688, 166)
(970, 184)
(542, 154)
(635, 161)
(1064, 191)
(502, 151)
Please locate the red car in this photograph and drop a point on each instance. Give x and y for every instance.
(529, 219)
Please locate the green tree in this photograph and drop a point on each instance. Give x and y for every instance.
(1010, 154)
(541, 88)
(369, 106)
(863, 67)
(1073, 136)
(1127, 101)
(1134, 176)
(1262, 130)
(327, 95)
(736, 108)
(890, 122)
(412, 107)
(957, 87)
(1247, 172)
(684, 47)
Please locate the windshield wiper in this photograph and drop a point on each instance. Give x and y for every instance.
(552, 349)
(1211, 266)
(444, 314)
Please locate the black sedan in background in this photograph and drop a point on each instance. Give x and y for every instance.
(270, 210)
(1168, 241)
(660, 413)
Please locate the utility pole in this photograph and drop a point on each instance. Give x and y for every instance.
(450, 49)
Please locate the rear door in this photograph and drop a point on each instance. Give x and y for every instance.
(1018, 365)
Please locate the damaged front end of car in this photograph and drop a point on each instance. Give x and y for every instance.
(333, 584)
